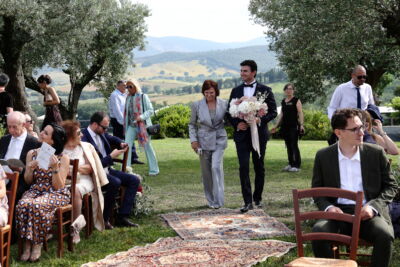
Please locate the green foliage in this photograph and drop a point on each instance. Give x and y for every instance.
(318, 43)
(173, 120)
(143, 204)
(2, 129)
(317, 125)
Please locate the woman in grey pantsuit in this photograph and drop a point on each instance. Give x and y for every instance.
(208, 138)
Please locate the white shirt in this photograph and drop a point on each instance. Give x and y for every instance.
(350, 175)
(345, 96)
(116, 105)
(100, 145)
(249, 91)
(15, 147)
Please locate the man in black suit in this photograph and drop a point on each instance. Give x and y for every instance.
(16, 145)
(242, 134)
(97, 135)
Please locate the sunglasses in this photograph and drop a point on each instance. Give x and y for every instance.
(104, 127)
(129, 87)
(362, 77)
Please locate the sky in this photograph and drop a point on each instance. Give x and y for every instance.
(214, 20)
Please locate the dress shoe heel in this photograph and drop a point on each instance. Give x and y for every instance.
(246, 207)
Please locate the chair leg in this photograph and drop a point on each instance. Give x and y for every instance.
(69, 230)
(60, 238)
(7, 263)
(88, 213)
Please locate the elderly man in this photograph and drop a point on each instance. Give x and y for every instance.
(352, 165)
(17, 144)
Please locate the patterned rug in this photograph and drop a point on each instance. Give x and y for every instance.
(175, 252)
(226, 224)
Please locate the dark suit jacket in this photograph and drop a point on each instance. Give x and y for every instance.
(30, 143)
(108, 141)
(237, 92)
(379, 184)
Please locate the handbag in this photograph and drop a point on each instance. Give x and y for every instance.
(152, 129)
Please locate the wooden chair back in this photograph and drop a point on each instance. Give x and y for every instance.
(12, 194)
(123, 161)
(351, 241)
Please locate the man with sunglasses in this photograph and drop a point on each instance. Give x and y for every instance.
(352, 94)
(97, 135)
(356, 166)
(116, 108)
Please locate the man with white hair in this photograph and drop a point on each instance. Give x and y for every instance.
(17, 143)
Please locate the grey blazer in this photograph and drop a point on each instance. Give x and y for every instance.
(201, 129)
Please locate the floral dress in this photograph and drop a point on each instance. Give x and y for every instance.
(35, 211)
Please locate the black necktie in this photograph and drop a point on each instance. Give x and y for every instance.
(248, 85)
(358, 98)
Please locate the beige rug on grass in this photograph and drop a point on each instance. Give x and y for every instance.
(175, 252)
(226, 224)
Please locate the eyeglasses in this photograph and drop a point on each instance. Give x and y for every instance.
(29, 121)
(129, 87)
(356, 129)
(362, 77)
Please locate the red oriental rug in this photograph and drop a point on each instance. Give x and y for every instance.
(175, 252)
(226, 224)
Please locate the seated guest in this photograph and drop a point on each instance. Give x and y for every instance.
(96, 135)
(374, 134)
(29, 124)
(35, 210)
(6, 100)
(3, 199)
(91, 176)
(353, 165)
(17, 144)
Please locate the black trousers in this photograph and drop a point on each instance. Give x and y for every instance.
(375, 230)
(118, 131)
(244, 149)
(291, 136)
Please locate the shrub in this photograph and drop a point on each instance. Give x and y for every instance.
(174, 121)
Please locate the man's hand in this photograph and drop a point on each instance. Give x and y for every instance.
(123, 145)
(334, 209)
(195, 146)
(367, 213)
(242, 126)
(116, 152)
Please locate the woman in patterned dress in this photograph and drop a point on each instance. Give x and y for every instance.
(35, 211)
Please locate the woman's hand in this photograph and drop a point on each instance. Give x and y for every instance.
(273, 130)
(195, 146)
(85, 169)
(54, 162)
(32, 164)
(378, 126)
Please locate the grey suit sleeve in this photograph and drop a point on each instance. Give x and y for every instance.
(193, 123)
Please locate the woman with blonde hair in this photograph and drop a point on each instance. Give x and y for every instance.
(138, 110)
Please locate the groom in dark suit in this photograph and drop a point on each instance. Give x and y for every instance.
(350, 164)
(17, 144)
(242, 135)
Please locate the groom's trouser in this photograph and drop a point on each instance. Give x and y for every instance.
(376, 231)
(243, 149)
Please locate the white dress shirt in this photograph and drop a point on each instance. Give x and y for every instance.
(345, 96)
(15, 147)
(100, 145)
(116, 105)
(249, 91)
(350, 175)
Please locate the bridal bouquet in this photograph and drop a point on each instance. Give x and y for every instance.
(248, 109)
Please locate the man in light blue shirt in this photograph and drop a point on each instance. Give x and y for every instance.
(116, 107)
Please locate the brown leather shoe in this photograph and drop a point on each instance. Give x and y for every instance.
(108, 225)
(125, 222)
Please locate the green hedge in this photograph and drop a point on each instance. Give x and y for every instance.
(173, 120)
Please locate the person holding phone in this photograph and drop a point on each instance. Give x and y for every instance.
(291, 123)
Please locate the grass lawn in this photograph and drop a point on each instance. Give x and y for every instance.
(179, 188)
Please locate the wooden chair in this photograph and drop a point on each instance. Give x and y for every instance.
(5, 232)
(64, 216)
(301, 237)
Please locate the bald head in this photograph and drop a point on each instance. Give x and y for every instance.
(16, 123)
(358, 75)
(358, 68)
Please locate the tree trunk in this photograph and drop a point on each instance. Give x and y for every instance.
(373, 79)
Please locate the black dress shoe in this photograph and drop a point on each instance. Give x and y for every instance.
(125, 222)
(247, 207)
(108, 225)
(136, 161)
(258, 204)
